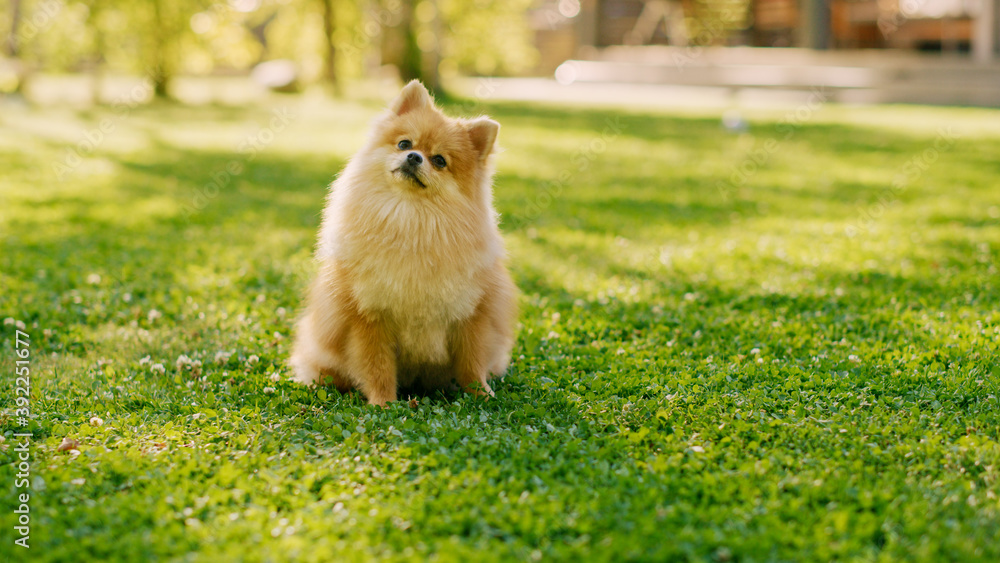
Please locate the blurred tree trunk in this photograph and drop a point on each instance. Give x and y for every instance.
(432, 58)
(410, 67)
(100, 46)
(329, 27)
(161, 72)
(399, 46)
(11, 45)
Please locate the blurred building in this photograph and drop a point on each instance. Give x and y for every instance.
(926, 51)
(921, 25)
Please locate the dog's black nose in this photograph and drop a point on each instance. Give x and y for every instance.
(414, 159)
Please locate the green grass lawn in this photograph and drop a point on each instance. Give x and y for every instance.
(729, 349)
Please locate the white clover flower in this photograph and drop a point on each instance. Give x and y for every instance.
(269, 390)
(755, 352)
(158, 368)
(144, 361)
(9, 321)
(222, 357)
(153, 315)
(94, 279)
(253, 359)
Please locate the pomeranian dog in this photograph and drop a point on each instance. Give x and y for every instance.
(412, 290)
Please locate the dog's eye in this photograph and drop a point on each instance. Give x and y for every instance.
(438, 161)
(404, 144)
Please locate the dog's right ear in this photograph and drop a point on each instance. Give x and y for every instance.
(483, 133)
(414, 96)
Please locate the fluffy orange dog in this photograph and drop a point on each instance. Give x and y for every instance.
(412, 288)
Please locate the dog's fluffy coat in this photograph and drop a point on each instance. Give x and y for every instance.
(412, 288)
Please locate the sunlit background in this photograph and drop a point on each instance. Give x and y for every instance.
(923, 51)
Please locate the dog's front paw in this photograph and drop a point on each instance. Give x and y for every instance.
(479, 389)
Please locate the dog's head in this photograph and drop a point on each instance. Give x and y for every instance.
(422, 151)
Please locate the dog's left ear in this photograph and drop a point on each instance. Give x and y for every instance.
(414, 96)
(483, 132)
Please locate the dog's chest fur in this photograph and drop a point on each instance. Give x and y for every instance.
(416, 267)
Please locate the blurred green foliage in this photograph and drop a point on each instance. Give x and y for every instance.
(490, 38)
(200, 36)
